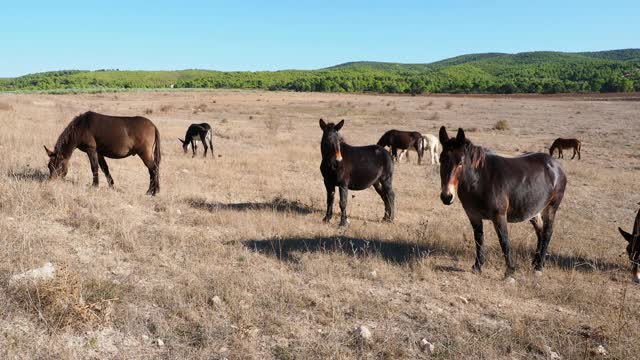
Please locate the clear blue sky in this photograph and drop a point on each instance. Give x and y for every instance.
(271, 35)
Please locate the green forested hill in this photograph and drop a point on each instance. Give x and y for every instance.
(530, 72)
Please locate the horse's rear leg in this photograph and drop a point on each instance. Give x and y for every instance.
(388, 197)
(574, 154)
(420, 150)
(204, 143)
(548, 217)
(93, 160)
(211, 147)
(105, 169)
(500, 224)
(154, 184)
(537, 227)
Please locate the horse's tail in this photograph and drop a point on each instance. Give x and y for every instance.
(156, 149)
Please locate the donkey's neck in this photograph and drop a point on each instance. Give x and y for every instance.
(68, 140)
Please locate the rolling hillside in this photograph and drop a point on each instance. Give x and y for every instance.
(529, 72)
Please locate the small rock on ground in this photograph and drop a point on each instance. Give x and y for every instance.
(427, 346)
(46, 272)
(364, 333)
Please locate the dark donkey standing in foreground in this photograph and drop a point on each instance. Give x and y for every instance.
(633, 248)
(103, 136)
(492, 187)
(397, 139)
(561, 144)
(354, 168)
(198, 132)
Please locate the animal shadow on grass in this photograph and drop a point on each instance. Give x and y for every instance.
(570, 262)
(396, 252)
(28, 174)
(278, 204)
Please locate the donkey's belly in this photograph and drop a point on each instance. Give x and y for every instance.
(523, 207)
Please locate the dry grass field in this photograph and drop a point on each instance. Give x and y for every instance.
(231, 260)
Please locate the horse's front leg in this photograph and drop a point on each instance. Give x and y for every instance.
(478, 236)
(394, 153)
(193, 148)
(574, 154)
(105, 169)
(93, 160)
(331, 191)
(500, 224)
(343, 205)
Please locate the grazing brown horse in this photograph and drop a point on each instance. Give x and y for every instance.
(561, 144)
(503, 190)
(198, 132)
(103, 136)
(397, 139)
(633, 248)
(354, 168)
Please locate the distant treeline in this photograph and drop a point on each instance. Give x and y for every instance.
(535, 72)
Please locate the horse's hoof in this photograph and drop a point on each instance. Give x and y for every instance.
(326, 219)
(509, 272)
(537, 272)
(476, 269)
(344, 223)
(510, 280)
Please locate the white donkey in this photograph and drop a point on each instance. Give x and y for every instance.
(429, 142)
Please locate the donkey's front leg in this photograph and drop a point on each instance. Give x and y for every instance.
(500, 224)
(331, 191)
(343, 205)
(93, 160)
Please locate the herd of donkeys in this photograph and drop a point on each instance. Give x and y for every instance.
(491, 187)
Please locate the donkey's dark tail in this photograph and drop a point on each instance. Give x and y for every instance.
(156, 159)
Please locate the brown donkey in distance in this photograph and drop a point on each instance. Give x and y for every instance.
(633, 248)
(103, 136)
(561, 144)
(397, 139)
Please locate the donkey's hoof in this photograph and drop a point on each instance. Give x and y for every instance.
(510, 280)
(344, 223)
(326, 219)
(476, 269)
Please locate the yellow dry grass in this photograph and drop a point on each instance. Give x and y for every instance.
(232, 259)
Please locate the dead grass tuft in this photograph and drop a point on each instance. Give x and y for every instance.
(65, 301)
(501, 125)
(434, 116)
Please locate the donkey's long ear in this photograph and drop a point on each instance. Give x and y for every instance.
(444, 137)
(323, 124)
(626, 235)
(460, 138)
(339, 125)
(49, 152)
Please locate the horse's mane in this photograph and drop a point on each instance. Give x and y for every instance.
(69, 132)
(476, 154)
